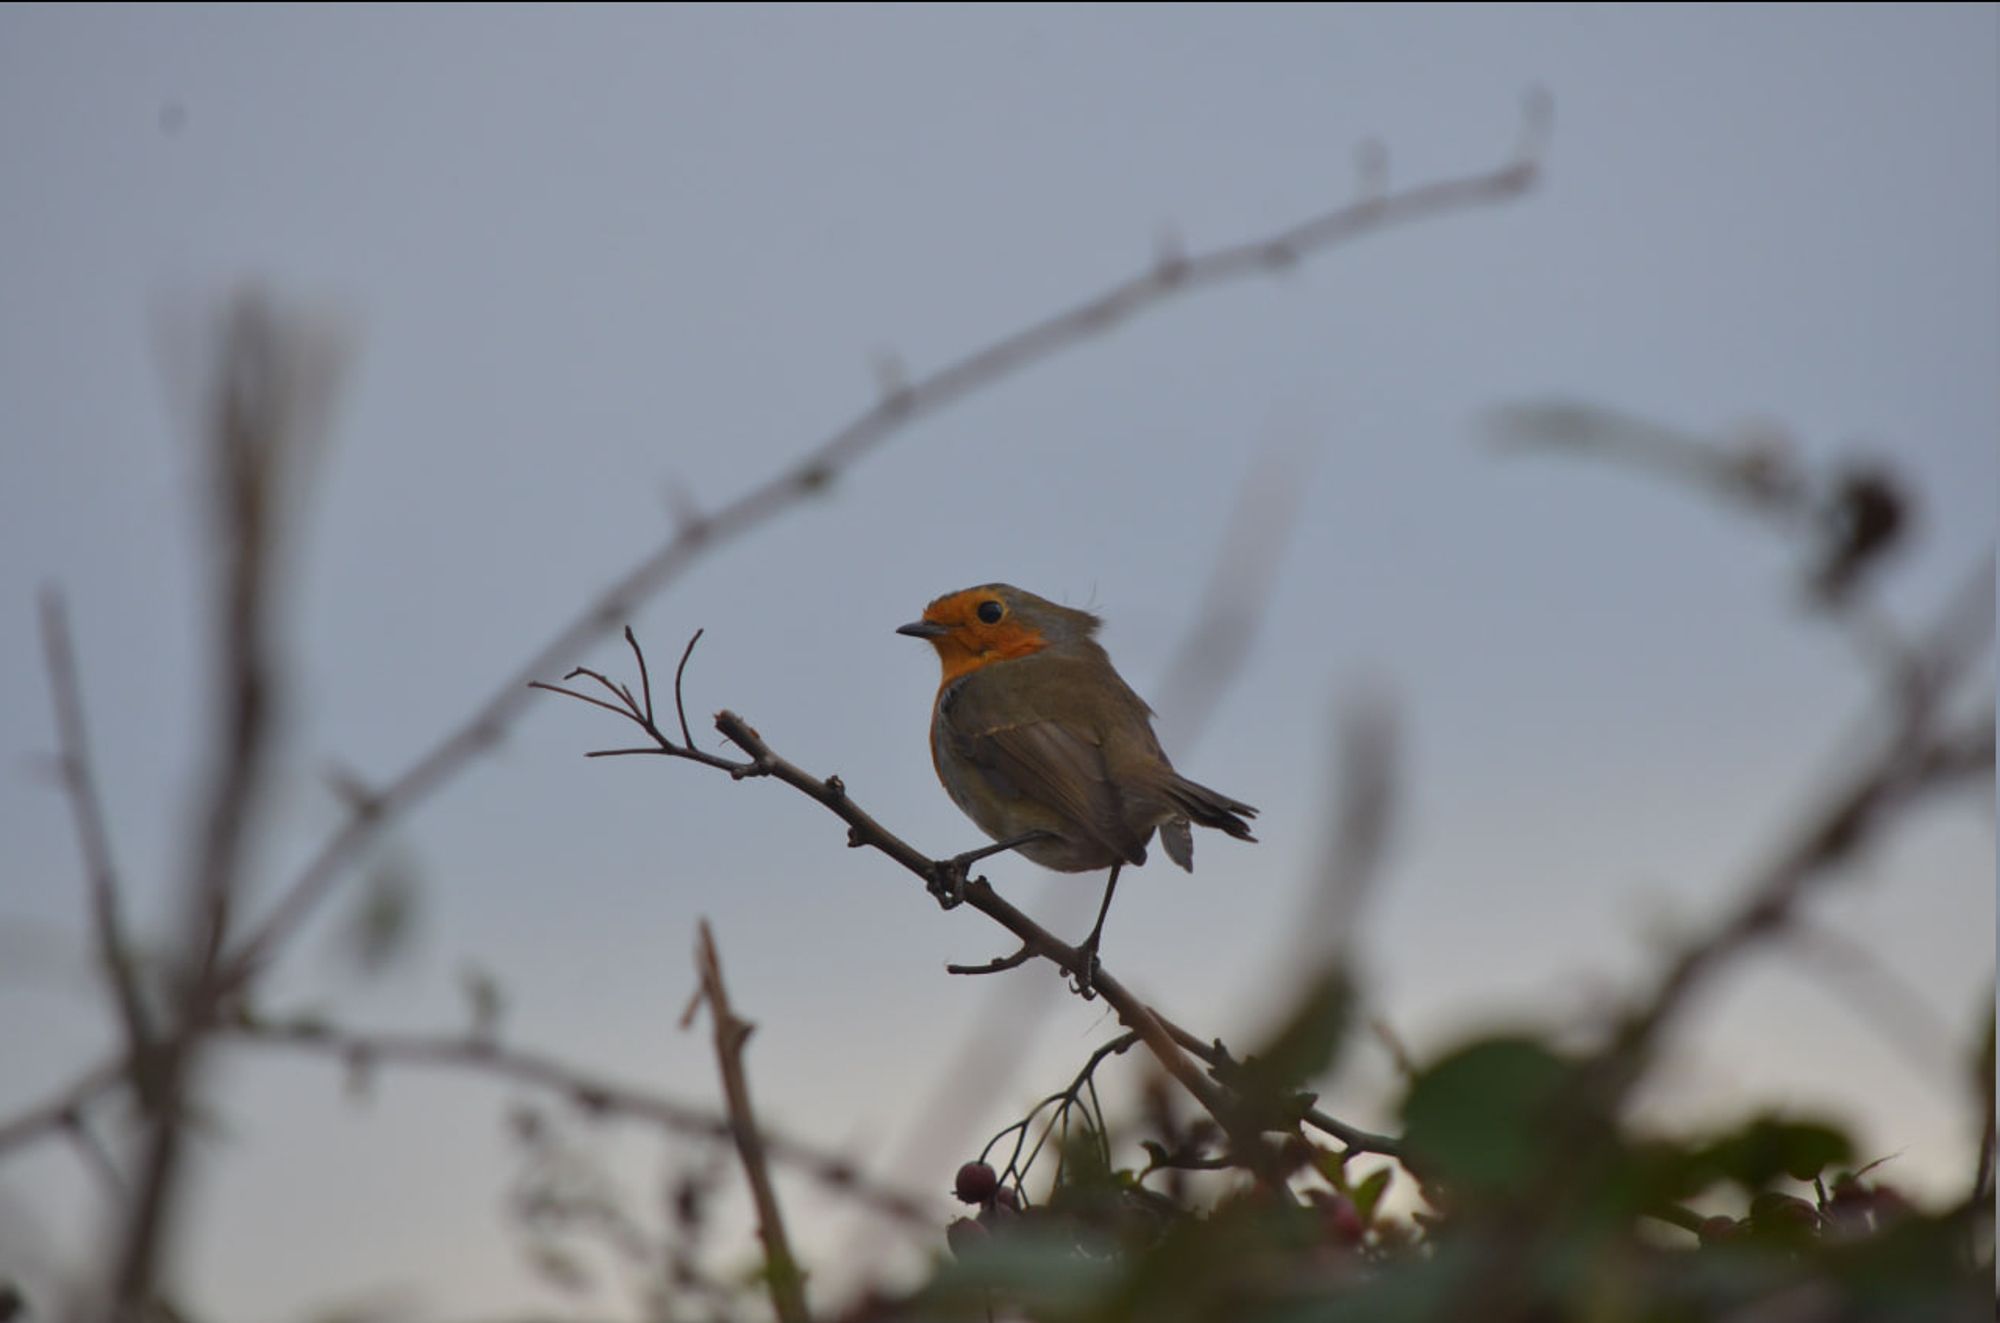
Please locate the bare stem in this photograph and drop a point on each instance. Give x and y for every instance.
(781, 1269)
(114, 951)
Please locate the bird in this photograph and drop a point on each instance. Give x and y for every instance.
(1039, 740)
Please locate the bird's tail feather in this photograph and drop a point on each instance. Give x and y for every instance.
(1197, 803)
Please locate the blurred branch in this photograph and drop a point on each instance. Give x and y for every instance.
(1876, 994)
(1852, 517)
(1365, 779)
(590, 1094)
(1172, 275)
(781, 1268)
(1904, 767)
(114, 950)
(58, 1112)
(90, 1149)
(266, 400)
(1233, 601)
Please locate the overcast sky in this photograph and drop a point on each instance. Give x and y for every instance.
(587, 256)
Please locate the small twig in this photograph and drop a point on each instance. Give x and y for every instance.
(781, 1269)
(38, 1120)
(645, 679)
(1216, 1058)
(114, 951)
(1830, 834)
(999, 964)
(1062, 1101)
(96, 1157)
(680, 708)
(1392, 1043)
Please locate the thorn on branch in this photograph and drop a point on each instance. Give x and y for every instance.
(1538, 125)
(892, 381)
(1371, 169)
(1170, 260)
(690, 524)
(947, 883)
(352, 791)
(998, 964)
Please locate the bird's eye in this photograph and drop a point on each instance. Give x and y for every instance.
(990, 611)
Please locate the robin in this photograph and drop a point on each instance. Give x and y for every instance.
(1043, 745)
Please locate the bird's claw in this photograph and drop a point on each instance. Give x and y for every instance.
(1084, 984)
(947, 882)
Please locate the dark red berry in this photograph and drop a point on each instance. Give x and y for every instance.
(1715, 1230)
(1346, 1223)
(1339, 1216)
(976, 1183)
(965, 1235)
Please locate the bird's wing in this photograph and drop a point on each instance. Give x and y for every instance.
(1050, 762)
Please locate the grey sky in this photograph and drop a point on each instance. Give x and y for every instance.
(586, 254)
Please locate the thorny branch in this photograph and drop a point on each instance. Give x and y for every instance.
(114, 950)
(1851, 519)
(781, 1267)
(1904, 767)
(1172, 275)
(59, 1111)
(268, 398)
(1169, 1044)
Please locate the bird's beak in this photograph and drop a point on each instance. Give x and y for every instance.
(923, 629)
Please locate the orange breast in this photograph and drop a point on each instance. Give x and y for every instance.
(970, 647)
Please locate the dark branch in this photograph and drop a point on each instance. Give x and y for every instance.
(680, 708)
(114, 950)
(945, 877)
(781, 1268)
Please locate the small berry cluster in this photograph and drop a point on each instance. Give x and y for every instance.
(979, 1184)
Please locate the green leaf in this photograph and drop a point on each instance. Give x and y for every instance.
(1305, 1043)
(1479, 1119)
(1368, 1194)
(1770, 1147)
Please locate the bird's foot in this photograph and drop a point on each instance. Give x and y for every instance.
(1084, 980)
(949, 877)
